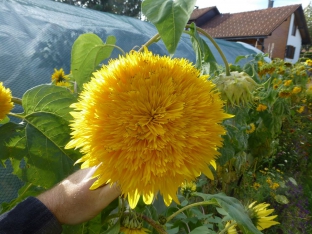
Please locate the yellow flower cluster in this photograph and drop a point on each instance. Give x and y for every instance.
(273, 185)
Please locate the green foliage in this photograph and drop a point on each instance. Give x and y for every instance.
(87, 52)
(170, 18)
(205, 60)
(130, 8)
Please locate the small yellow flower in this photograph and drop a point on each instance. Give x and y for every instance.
(301, 109)
(251, 129)
(59, 78)
(6, 104)
(287, 82)
(187, 188)
(284, 94)
(261, 107)
(308, 62)
(259, 215)
(274, 185)
(256, 185)
(269, 181)
(275, 86)
(296, 90)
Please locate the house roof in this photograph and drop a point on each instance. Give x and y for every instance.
(200, 11)
(259, 23)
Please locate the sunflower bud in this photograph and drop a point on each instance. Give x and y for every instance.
(237, 88)
(132, 221)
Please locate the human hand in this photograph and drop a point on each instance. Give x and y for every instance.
(72, 202)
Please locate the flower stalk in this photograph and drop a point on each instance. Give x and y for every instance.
(16, 100)
(189, 206)
(154, 224)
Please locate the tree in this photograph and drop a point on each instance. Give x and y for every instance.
(308, 16)
(130, 8)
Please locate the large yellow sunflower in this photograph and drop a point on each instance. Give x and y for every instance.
(150, 122)
(6, 104)
(259, 215)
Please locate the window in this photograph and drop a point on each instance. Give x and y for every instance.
(290, 52)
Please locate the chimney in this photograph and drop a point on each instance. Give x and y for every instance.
(271, 2)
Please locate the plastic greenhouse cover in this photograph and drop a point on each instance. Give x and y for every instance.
(37, 36)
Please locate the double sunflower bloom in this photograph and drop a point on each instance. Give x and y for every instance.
(150, 122)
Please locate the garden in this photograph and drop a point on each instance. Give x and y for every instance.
(196, 147)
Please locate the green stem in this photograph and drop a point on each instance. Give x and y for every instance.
(154, 224)
(16, 115)
(189, 206)
(227, 67)
(117, 47)
(150, 41)
(16, 100)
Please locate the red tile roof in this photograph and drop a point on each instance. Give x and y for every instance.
(251, 23)
(199, 12)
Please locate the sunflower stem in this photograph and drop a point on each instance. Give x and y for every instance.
(16, 100)
(117, 47)
(154, 39)
(227, 67)
(159, 228)
(189, 206)
(16, 115)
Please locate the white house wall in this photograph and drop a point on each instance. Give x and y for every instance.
(295, 41)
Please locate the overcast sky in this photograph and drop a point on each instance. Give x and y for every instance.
(234, 6)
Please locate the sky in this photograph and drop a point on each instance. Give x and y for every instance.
(234, 6)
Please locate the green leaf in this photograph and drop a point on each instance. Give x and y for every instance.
(112, 206)
(235, 209)
(113, 229)
(281, 199)
(87, 52)
(200, 230)
(8, 132)
(5, 120)
(205, 60)
(240, 57)
(43, 136)
(170, 18)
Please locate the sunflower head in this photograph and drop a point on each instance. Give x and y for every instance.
(150, 122)
(236, 89)
(251, 128)
(6, 104)
(59, 78)
(296, 90)
(187, 188)
(231, 227)
(259, 215)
